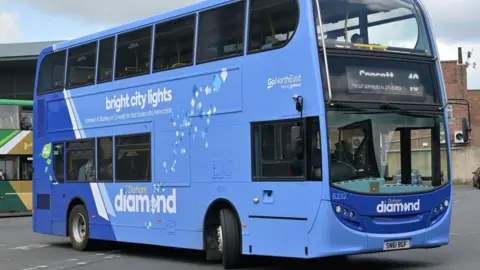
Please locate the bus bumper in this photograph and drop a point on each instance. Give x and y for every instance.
(330, 237)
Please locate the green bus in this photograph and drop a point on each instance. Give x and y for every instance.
(16, 146)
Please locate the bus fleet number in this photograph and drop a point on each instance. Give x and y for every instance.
(339, 196)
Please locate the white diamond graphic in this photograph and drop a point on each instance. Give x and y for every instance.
(224, 74)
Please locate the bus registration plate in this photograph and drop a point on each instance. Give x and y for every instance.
(395, 245)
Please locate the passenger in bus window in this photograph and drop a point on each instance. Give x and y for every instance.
(87, 171)
(105, 152)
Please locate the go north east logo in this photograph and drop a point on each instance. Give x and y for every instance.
(287, 82)
(394, 206)
(137, 200)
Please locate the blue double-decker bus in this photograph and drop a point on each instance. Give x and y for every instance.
(289, 128)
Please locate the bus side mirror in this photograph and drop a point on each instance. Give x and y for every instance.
(297, 140)
(465, 130)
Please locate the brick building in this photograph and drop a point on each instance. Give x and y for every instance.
(465, 157)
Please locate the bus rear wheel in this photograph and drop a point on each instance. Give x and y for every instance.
(229, 239)
(79, 228)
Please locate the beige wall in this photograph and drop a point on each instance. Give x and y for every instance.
(465, 160)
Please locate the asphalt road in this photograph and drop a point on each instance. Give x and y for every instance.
(20, 249)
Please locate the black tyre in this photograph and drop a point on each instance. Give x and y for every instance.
(79, 228)
(230, 237)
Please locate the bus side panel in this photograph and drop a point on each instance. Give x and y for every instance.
(329, 237)
(171, 166)
(223, 155)
(99, 217)
(41, 190)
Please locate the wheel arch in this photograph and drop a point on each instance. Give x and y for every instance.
(73, 202)
(213, 211)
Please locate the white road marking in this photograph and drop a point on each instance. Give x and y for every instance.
(29, 247)
(65, 261)
(36, 267)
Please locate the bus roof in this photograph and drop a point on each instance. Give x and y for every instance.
(202, 5)
(16, 102)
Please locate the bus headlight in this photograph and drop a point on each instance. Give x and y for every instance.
(439, 211)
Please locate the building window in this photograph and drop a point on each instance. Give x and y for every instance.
(81, 65)
(272, 24)
(133, 53)
(105, 160)
(174, 43)
(105, 60)
(81, 160)
(59, 162)
(450, 112)
(133, 158)
(221, 32)
(52, 73)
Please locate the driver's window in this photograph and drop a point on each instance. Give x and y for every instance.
(356, 149)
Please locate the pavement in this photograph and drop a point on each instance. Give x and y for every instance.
(21, 249)
(10, 215)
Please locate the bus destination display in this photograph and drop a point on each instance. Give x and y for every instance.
(387, 81)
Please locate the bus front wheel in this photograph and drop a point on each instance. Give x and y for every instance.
(79, 228)
(229, 239)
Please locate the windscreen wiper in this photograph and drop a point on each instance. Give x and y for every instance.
(388, 106)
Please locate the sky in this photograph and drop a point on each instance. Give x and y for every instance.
(455, 22)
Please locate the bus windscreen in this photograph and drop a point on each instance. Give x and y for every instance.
(381, 25)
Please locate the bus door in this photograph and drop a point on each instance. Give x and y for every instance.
(56, 177)
(282, 201)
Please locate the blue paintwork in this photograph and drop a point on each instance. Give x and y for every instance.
(202, 154)
(368, 219)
